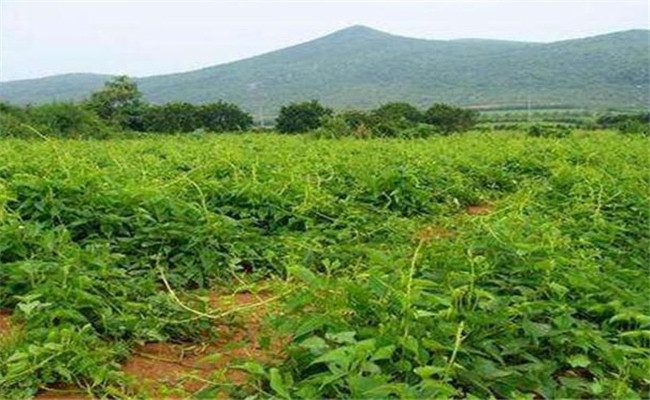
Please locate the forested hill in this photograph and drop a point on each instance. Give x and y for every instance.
(360, 67)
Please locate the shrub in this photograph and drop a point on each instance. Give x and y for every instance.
(549, 131)
(420, 131)
(615, 120)
(334, 127)
(627, 123)
(449, 118)
(170, 118)
(68, 120)
(355, 118)
(399, 113)
(12, 125)
(301, 117)
(635, 127)
(223, 117)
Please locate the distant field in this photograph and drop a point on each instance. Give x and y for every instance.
(484, 264)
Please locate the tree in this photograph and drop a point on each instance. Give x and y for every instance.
(171, 117)
(355, 119)
(398, 113)
(301, 117)
(449, 118)
(119, 101)
(222, 117)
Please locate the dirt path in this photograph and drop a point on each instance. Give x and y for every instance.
(168, 369)
(178, 370)
(481, 209)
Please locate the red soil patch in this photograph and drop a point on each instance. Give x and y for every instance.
(191, 367)
(434, 232)
(480, 209)
(4, 321)
(62, 392)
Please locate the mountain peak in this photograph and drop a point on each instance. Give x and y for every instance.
(357, 31)
(361, 67)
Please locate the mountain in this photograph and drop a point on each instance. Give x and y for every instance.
(360, 67)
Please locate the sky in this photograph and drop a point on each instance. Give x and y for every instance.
(151, 37)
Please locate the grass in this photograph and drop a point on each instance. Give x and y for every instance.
(388, 285)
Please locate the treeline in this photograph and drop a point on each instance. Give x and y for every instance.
(120, 102)
(389, 120)
(119, 107)
(627, 123)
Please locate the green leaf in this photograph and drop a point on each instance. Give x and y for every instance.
(210, 358)
(253, 367)
(579, 360)
(277, 384)
(342, 337)
(338, 355)
(303, 274)
(309, 326)
(314, 343)
(384, 353)
(428, 371)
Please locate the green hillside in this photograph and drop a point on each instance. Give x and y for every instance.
(361, 67)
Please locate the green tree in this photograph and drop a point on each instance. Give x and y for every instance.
(119, 101)
(223, 117)
(301, 117)
(398, 113)
(66, 119)
(355, 119)
(171, 117)
(449, 118)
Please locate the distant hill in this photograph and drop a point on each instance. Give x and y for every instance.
(360, 67)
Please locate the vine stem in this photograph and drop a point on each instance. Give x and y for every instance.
(234, 310)
(457, 342)
(409, 288)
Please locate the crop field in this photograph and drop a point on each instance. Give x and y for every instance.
(475, 265)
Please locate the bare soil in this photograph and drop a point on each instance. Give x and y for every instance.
(188, 368)
(176, 370)
(5, 325)
(483, 209)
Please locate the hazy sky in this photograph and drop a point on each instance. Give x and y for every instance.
(147, 37)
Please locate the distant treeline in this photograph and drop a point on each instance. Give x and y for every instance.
(119, 107)
(389, 120)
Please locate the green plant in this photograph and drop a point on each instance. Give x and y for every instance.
(119, 102)
(396, 286)
(550, 131)
(450, 119)
(301, 117)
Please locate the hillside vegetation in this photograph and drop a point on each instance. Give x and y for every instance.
(362, 68)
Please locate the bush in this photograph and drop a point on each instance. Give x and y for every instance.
(398, 113)
(12, 125)
(55, 120)
(627, 123)
(549, 131)
(450, 119)
(635, 127)
(67, 120)
(301, 117)
(334, 127)
(185, 117)
(223, 117)
(615, 120)
(420, 131)
(354, 118)
(170, 118)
